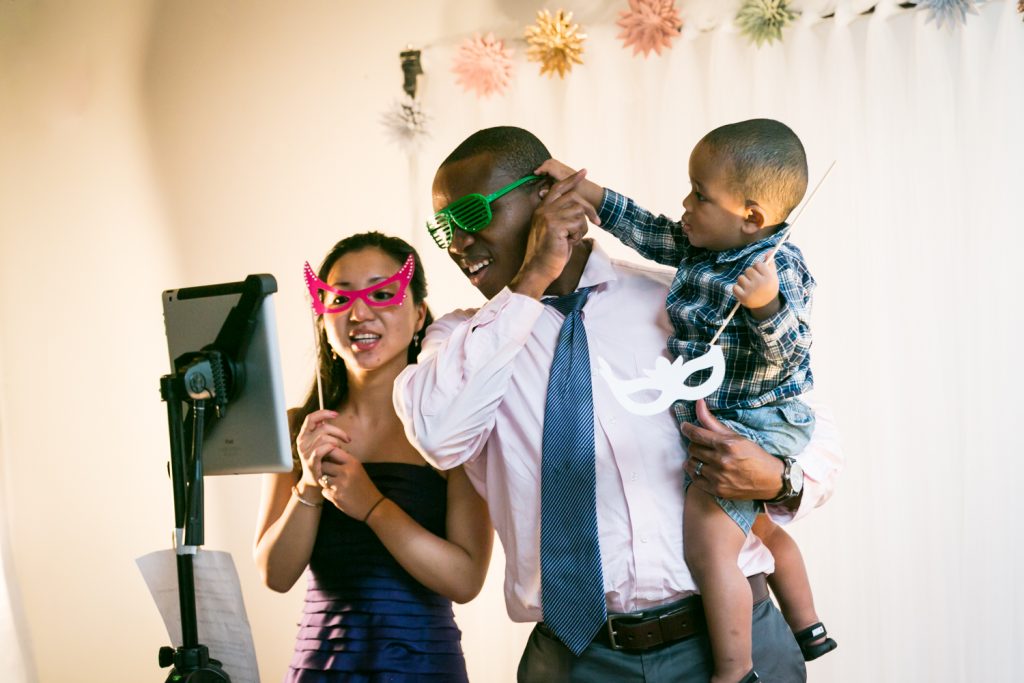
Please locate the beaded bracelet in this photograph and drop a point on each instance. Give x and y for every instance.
(295, 492)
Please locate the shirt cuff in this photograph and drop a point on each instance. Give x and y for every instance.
(613, 206)
(813, 495)
(777, 327)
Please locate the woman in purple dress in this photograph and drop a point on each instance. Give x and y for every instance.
(389, 541)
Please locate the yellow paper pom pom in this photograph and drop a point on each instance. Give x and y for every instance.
(555, 42)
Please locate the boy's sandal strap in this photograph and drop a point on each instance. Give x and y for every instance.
(811, 650)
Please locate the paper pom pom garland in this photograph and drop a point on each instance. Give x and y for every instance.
(555, 42)
(649, 25)
(763, 20)
(483, 65)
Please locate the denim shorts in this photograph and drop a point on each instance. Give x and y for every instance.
(782, 429)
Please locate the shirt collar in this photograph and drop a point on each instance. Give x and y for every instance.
(598, 269)
(739, 253)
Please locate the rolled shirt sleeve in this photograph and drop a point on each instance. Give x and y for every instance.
(447, 400)
(822, 461)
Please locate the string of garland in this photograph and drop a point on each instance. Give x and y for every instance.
(483, 64)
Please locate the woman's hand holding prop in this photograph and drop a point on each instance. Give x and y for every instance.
(317, 438)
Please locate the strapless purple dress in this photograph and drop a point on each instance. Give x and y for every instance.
(366, 619)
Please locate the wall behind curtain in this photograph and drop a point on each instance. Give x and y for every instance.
(171, 143)
(84, 254)
(15, 660)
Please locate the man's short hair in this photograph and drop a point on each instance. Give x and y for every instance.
(515, 150)
(769, 165)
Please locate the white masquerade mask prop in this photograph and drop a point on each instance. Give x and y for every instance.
(669, 379)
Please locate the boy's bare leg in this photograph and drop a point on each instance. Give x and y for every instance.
(712, 543)
(789, 583)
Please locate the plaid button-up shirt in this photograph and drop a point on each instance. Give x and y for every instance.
(765, 360)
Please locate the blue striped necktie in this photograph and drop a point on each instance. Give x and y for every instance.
(572, 584)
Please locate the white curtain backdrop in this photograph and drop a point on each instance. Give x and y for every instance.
(171, 144)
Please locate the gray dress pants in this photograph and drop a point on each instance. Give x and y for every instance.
(777, 658)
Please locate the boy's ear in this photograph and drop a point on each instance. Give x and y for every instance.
(755, 219)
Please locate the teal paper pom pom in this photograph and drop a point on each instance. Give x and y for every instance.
(763, 20)
(953, 11)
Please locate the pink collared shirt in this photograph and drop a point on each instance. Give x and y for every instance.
(476, 398)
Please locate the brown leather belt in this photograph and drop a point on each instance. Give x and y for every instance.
(639, 631)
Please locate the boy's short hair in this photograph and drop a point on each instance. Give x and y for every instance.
(769, 165)
(516, 151)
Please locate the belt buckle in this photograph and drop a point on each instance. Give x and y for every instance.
(612, 618)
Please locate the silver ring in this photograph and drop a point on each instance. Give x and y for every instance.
(324, 481)
(696, 471)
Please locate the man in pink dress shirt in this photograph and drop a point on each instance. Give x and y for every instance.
(477, 397)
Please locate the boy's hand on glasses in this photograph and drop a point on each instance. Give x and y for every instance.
(590, 190)
(559, 223)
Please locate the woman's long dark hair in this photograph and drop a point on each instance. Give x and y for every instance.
(333, 374)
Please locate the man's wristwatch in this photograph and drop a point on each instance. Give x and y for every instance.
(792, 481)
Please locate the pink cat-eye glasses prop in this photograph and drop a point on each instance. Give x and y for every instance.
(389, 292)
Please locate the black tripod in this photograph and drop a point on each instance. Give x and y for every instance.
(214, 376)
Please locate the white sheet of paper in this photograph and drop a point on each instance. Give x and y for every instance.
(221, 621)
